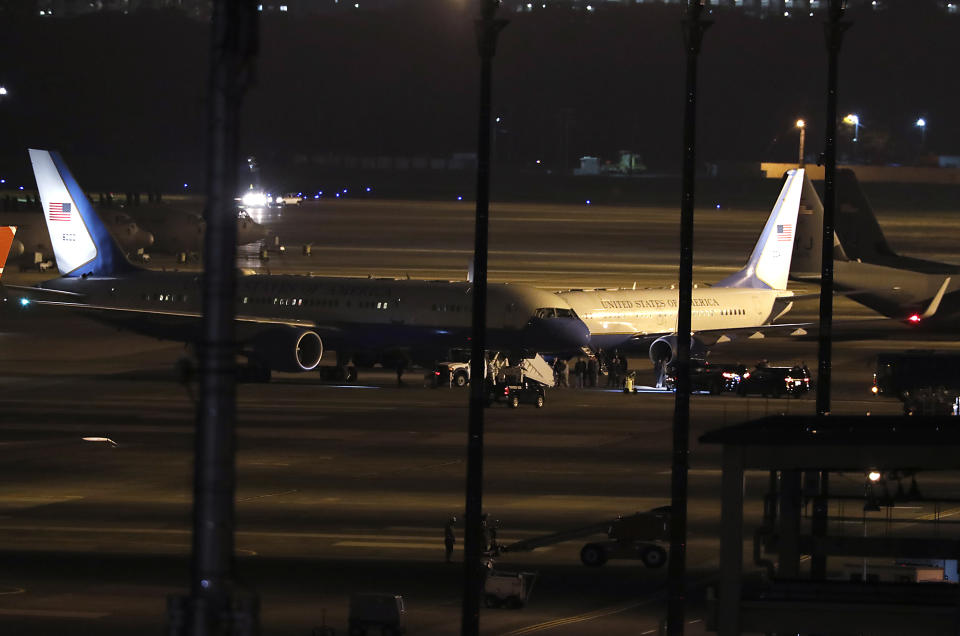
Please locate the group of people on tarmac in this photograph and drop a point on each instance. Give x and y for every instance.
(488, 528)
(587, 371)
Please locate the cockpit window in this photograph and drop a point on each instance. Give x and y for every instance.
(555, 312)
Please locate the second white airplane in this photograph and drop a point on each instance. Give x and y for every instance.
(747, 301)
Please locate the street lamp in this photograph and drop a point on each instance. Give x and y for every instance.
(921, 123)
(802, 125)
(853, 120)
(3, 90)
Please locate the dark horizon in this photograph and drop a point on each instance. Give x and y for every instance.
(124, 95)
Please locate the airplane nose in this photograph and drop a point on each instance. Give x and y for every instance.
(550, 335)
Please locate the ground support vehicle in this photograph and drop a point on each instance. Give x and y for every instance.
(630, 537)
(457, 374)
(508, 589)
(383, 613)
(711, 377)
(515, 394)
(775, 381)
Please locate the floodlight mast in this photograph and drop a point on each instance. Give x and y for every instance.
(693, 30)
(488, 27)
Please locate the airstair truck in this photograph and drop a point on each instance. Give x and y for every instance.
(630, 537)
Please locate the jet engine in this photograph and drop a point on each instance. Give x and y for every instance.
(16, 249)
(288, 349)
(664, 348)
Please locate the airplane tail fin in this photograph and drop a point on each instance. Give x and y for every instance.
(7, 233)
(807, 249)
(856, 223)
(80, 240)
(769, 265)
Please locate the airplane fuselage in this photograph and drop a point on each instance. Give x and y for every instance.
(615, 317)
(348, 313)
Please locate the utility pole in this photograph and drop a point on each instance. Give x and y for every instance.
(488, 28)
(693, 30)
(216, 606)
(835, 27)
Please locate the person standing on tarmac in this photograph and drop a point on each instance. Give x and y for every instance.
(449, 538)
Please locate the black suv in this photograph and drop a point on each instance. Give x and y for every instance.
(775, 381)
(706, 376)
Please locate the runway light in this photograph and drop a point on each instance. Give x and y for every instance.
(718, 206)
(316, 196)
(914, 318)
(874, 390)
(588, 201)
(344, 190)
(184, 185)
(874, 475)
(368, 189)
(3, 180)
(459, 198)
(338, 195)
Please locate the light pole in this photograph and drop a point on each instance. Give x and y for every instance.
(802, 125)
(853, 120)
(921, 123)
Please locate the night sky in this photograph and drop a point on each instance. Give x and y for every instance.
(123, 96)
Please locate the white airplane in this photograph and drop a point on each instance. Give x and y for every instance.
(283, 323)
(747, 301)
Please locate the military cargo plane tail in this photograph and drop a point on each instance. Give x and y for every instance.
(7, 233)
(769, 264)
(856, 223)
(81, 242)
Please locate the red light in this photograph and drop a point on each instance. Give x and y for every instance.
(914, 318)
(506, 390)
(436, 373)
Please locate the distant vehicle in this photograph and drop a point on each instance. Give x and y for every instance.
(709, 377)
(628, 537)
(457, 374)
(775, 381)
(377, 614)
(515, 394)
(288, 199)
(451, 374)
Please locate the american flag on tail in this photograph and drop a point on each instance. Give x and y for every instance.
(785, 232)
(59, 212)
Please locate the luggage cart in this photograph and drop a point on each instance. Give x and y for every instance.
(508, 589)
